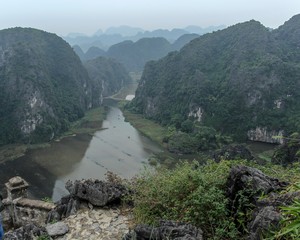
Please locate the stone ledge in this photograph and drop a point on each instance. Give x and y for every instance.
(37, 204)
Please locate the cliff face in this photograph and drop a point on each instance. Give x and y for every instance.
(43, 85)
(241, 78)
(107, 77)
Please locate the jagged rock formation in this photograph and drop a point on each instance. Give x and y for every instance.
(241, 78)
(95, 192)
(245, 186)
(27, 232)
(43, 85)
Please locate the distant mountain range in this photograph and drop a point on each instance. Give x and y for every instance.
(116, 35)
(134, 55)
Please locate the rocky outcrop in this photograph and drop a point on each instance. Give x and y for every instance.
(243, 178)
(65, 207)
(27, 232)
(266, 216)
(232, 152)
(96, 192)
(262, 134)
(166, 230)
(244, 187)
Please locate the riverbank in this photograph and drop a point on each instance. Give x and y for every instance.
(90, 123)
(150, 129)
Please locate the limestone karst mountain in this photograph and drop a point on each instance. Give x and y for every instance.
(243, 79)
(44, 86)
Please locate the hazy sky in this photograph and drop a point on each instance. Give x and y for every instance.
(87, 16)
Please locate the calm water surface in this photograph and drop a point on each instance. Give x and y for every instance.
(119, 148)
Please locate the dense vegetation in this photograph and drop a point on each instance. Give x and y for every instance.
(43, 85)
(197, 194)
(240, 78)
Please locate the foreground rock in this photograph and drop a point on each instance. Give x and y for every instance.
(98, 193)
(95, 192)
(245, 186)
(27, 232)
(166, 230)
(266, 216)
(77, 216)
(57, 229)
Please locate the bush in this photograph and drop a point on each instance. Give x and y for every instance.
(189, 193)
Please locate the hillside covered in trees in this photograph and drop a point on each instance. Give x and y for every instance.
(242, 78)
(44, 85)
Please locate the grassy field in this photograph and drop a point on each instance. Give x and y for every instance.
(91, 122)
(147, 127)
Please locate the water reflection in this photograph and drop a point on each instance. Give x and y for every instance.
(119, 148)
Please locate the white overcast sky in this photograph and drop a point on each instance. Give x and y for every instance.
(87, 16)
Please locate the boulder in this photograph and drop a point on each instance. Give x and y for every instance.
(166, 230)
(98, 193)
(57, 229)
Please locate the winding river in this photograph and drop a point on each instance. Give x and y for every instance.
(119, 148)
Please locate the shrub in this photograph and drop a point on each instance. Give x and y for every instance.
(189, 193)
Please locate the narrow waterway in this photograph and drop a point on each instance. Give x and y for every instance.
(119, 148)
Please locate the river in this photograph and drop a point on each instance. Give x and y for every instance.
(119, 148)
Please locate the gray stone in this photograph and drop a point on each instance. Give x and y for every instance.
(64, 208)
(57, 229)
(98, 193)
(264, 219)
(250, 181)
(246, 184)
(26, 232)
(166, 230)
